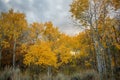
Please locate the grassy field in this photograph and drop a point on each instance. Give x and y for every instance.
(10, 74)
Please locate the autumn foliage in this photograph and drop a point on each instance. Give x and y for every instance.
(42, 45)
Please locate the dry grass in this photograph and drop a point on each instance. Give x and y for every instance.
(85, 75)
(10, 74)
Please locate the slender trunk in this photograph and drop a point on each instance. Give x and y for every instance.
(108, 56)
(99, 49)
(116, 41)
(109, 59)
(1, 51)
(100, 62)
(1, 39)
(49, 73)
(0, 55)
(14, 49)
(99, 53)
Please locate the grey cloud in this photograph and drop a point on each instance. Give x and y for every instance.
(3, 6)
(56, 11)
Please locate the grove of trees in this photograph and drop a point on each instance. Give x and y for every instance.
(104, 31)
(41, 47)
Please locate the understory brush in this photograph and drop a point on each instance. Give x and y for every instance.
(10, 74)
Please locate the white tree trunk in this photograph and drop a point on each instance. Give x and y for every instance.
(49, 73)
(14, 54)
(0, 55)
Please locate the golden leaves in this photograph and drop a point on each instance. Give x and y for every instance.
(14, 23)
(51, 32)
(78, 7)
(117, 45)
(40, 54)
(116, 3)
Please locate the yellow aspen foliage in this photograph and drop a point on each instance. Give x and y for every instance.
(51, 32)
(64, 55)
(36, 30)
(5, 44)
(108, 32)
(79, 6)
(116, 3)
(78, 9)
(23, 48)
(87, 64)
(3, 32)
(63, 49)
(84, 49)
(15, 23)
(40, 54)
(65, 40)
(117, 45)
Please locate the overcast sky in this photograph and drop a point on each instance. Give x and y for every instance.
(56, 11)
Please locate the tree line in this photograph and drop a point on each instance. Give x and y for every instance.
(42, 47)
(95, 15)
